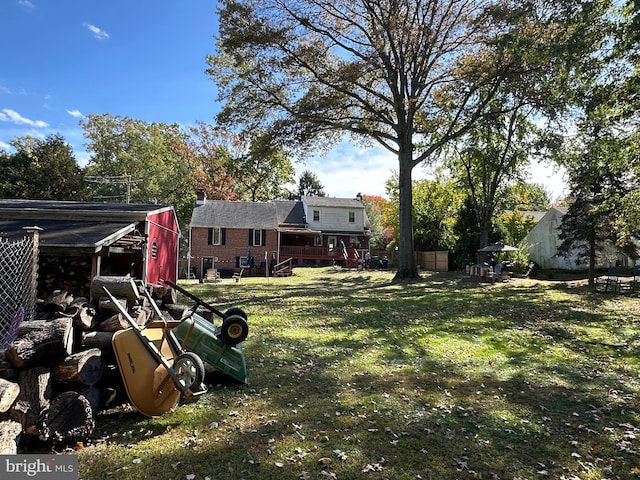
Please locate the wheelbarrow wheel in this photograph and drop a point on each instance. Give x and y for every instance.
(234, 330)
(189, 369)
(236, 311)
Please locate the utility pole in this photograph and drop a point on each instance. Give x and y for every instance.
(124, 180)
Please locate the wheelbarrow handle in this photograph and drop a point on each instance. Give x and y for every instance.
(198, 301)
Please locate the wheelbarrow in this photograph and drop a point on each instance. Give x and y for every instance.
(155, 369)
(217, 345)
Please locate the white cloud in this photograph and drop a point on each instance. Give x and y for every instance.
(4, 146)
(8, 115)
(75, 113)
(26, 4)
(97, 32)
(348, 169)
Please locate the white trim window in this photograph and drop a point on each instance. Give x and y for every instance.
(215, 236)
(257, 238)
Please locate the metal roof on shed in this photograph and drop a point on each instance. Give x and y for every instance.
(77, 234)
(16, 208)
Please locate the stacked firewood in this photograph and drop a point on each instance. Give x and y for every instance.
(60, 370)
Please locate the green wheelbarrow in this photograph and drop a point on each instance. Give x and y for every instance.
(217, 345)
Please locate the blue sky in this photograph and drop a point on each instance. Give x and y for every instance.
(145, 59)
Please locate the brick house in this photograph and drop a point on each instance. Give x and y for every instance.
(230, 236)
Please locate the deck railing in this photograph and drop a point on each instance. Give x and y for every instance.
(283, 268)
(308, 252)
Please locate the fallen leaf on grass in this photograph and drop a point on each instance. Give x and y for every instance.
(375, 467)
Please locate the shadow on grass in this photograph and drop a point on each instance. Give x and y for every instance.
(357, 377)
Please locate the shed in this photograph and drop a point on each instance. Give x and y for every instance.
(80, 240)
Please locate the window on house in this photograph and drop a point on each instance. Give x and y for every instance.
(316, 215)
(257, 238)
(352, 217)
(215, 236)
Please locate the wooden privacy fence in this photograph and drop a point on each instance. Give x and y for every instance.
(437, 261)
(433, 261)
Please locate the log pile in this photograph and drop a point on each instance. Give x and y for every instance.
(53, 376)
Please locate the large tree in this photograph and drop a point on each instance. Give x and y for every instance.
(261, 170)
(310, 185)
(212, 150)
(41, 169)
(436, 205)
(490, 156)
(603, 157)
(411, 75)
(136, 161)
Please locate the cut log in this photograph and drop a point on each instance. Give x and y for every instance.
(69, 418)
(167, 295)
(9, 436)
(176, 311)
(141, 316)
(7, 369)
(58, 301)
(100, 340)
(81, 368)
(95, 398)
(106, 308)
(9, 392)
(41, 342)
(124, 287)
(34, 397)
(113, 323)
(83, 313)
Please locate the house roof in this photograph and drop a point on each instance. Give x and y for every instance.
(224, 214)
(535, 214)
(283, 214)
(290, 213)
(332, 202)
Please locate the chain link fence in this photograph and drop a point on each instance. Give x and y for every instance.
(18, 283)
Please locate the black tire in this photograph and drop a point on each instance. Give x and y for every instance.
(236, 311)
(234, 330)
(189, 370)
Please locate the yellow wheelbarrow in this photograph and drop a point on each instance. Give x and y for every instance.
(156, 371)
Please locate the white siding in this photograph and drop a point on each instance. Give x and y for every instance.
(336, 219)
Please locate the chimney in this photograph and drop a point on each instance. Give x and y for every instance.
(201, 196)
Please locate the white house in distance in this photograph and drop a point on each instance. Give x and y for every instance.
(543, 242)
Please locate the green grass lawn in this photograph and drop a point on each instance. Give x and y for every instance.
(354, 377)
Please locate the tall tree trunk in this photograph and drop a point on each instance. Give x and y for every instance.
(407, 268)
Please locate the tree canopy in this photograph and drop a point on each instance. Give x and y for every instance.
(41, 170)
(310, 185)
(412, 75)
